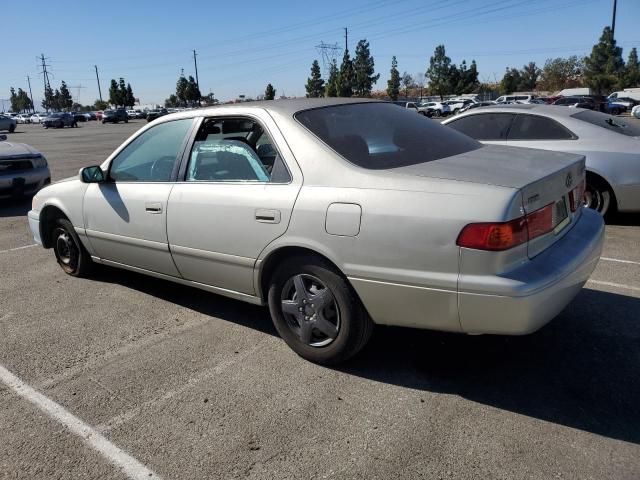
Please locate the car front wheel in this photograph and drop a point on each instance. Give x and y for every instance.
(70, 253)
(316, 312)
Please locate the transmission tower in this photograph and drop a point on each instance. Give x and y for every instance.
(45, 73)
(78, 87)
(329, 53)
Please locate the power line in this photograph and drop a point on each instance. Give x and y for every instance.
(33, 105)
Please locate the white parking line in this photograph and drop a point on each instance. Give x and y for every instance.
(131, 467)
(19, 248)
(615, 285)
(618, 260)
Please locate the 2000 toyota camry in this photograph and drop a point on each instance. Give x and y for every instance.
(340, 215)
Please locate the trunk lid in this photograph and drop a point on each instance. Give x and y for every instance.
(543, 177)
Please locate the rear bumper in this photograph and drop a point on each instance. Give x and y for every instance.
(526, 298)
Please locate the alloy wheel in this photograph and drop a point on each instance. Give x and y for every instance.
(311, 310)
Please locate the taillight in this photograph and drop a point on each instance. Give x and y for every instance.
(576, 196)
(506, 235)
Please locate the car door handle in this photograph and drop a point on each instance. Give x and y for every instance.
(155, 207)
(267, 216)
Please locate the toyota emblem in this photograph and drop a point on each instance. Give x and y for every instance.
(569, 180)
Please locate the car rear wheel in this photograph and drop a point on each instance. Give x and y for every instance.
(70, 253)
(438, 113)
(316, 312)
(599, 197)
(12, 128)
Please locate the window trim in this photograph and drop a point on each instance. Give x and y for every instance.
(475, 114)
(573, 135)
(186, 156)
(177, 161)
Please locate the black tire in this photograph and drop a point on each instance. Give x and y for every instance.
(600, 197)
(438, 113)
(12, 128)
(71, 255)
(126, 121)
(103, 122)
(353, 325)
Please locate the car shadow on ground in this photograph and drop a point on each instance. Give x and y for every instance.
(15, 207)
(624, 219)
(582, 370)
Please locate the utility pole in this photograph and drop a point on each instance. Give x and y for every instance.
(346, 39)
(33, 105)
(45, 76)
(98, 79)
(195, 63)
(613, 21)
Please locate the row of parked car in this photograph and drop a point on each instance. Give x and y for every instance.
(614, 104)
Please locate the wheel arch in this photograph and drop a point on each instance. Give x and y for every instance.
(48, 215)
(598, 177)
(277, 256)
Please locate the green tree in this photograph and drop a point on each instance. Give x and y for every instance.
(130, 97)
(345, 76)
(529, 77)
(15, 106)
(182, 89)
(24, 102)
(269, 92)
(559, 73)
(210, 99)
(192, 92)
(364, 76)
(439, 72)
(65, 101)
(114, 93)
(122, 92)
(331, 89)
(393, 84)
(47, 101)
(510, 81)
(604, 68)
(632, 70)
(172, 101)
(406, 81)
(100, 105)
(315, 83)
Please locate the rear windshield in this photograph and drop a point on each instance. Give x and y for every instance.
(609, 122)
(379, 135)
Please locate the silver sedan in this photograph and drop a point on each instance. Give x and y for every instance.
(610, 144)
(339, 214)
(23, 169)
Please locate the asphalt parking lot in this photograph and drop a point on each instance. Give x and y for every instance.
(186, 384)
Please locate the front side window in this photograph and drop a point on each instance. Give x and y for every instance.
(234, 150)
(377, 135)
(484, 126)
(534, 127)
(151, 156)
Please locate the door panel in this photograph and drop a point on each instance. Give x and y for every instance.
(217, 230)
(126, 223)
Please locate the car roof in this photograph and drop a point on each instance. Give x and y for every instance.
(555, 111)
(287, 107)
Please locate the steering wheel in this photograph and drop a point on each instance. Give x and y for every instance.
(162, 168)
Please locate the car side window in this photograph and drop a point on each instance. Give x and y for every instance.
(535, 127)
(234, 150)
(484, 126)
(152, 156)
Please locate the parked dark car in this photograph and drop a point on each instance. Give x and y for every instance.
(59, 120)
(115, 116)
(577, 102)
(153, 114)
(79, 116)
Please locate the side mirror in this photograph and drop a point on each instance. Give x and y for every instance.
(91, 175)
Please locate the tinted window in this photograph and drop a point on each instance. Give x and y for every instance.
(603, 120)
(484, 126)
(152, 155)
(380, 136)
(534, 127)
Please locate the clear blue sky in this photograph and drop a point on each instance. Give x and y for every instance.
(244, 45)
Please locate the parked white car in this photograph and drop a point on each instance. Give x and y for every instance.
(635, 111)
(457, 104)
(38, 117)
(515, 99)
(438, 109)
(22, 118)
